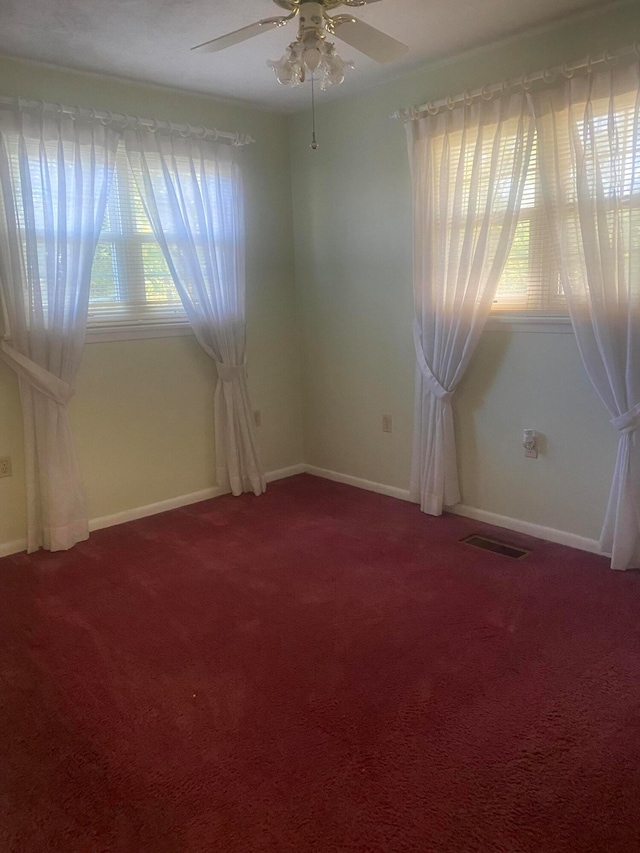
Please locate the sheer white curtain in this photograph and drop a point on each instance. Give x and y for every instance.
(55, 172)
(468, 169)
(192, 191)
(589, 144)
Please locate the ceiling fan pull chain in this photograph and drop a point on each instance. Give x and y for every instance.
(314, 143)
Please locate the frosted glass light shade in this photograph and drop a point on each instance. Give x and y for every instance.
(318, 58)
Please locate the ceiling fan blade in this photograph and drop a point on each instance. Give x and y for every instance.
(242, 34)
(369, 40)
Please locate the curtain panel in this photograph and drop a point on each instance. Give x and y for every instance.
(468, 168)
(192, 191)
(55, 174)
(589, 150)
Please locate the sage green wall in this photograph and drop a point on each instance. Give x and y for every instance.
(143, 412)
(352, 215)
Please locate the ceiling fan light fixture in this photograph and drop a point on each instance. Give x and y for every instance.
(318, 58)
(289, 69)
(312, 58)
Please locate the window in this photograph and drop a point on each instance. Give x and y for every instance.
(131, 286)
(130, 281)
(530, 280)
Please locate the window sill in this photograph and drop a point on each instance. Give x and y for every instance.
(136, 332)
(521, 322)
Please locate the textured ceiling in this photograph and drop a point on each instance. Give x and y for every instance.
(150, 39)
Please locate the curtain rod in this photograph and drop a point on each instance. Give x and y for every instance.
(107, 117)
(524, 82)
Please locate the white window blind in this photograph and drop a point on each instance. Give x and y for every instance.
(531, 279)
(130, 281)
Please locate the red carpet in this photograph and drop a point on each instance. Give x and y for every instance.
(320, 669)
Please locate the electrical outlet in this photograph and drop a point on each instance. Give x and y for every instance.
(257, 418)
(5, 466)
(530, 443)
(387, 423)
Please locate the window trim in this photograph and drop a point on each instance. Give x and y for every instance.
(135, 331)
(519, 321)
(106, 320)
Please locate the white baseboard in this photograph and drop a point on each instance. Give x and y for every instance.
(18, 545)
(550, 534)
(560, 537)
(154, 508)
(182, 500)
(283, 473)
(369, 485)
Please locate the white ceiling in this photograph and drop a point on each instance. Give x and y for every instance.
(150, 39)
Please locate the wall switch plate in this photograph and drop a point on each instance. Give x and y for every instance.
(257, 418)
(387, 423)
(5, 466)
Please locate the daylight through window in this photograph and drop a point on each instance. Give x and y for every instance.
(130, 280)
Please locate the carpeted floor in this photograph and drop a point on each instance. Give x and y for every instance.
(319, 669)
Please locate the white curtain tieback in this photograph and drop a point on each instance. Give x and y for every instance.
(432, 383)
(38, 377)
(230, 372)
(628, 422)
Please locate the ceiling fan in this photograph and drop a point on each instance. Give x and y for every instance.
(311, 52)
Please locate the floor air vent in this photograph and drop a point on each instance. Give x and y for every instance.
(495, 546)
